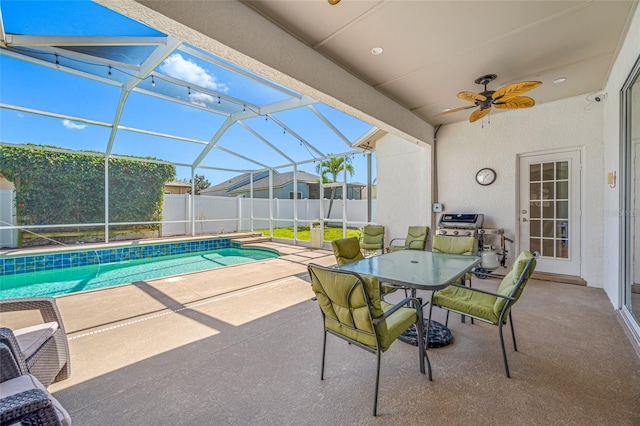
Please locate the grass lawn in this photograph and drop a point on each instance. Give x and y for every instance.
(330, 234)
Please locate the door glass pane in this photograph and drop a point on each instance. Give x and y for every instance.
(562, 210)
(547, 209)
(534, 229)
(562, 229)
(534, 173)
(547, 228)
(548, 191)
(562, 190)
(562, 249)
(547, 171)
(562, 170)
(547, 248)
(534, 245)
(534, 191)
(534, 209)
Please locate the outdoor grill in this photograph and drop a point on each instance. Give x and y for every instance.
(460, 225)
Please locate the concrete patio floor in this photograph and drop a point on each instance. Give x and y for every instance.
(242, 346)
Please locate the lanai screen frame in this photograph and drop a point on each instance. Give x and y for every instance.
(48, 51)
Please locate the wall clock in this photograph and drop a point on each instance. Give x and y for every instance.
(486, 176)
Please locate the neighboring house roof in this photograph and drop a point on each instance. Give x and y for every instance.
(241, 183)
(178, 183)
(279, 180)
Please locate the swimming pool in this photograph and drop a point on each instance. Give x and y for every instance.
(54, 274)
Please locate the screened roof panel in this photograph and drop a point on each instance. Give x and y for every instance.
(245, 143)
(349, 126)
(141, 145)
(133, 55)
(304, 123)
(38, 18)
(24, 128)
(170, 118)
(32, 86)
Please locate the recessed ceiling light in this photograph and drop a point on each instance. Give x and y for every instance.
(560, 80)
(446, 110)
(376, 50)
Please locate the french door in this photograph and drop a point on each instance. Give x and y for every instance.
(549, 215)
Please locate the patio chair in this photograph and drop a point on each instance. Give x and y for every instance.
(455, 245)
(416, 239)
(23, 399)
(352, 310)
(487, 306)
(347, 250)
(41, 349)
(372, 238)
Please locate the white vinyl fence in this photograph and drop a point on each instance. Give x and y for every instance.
(225, 214)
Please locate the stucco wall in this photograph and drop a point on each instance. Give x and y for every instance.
(403, 185)
(464, 148)
(620, 71)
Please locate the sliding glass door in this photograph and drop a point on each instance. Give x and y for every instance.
(630, 214)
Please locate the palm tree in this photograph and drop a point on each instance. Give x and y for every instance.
(333, 167)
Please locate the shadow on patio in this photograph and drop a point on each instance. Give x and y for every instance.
(237, 346)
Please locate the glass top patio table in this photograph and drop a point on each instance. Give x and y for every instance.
(415, 269)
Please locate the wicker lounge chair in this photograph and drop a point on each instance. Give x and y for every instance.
(41, 349)
(23, 399)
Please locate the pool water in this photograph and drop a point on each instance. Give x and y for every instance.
(91, 277)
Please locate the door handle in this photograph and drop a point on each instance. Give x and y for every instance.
(524, 219)
(524, 212)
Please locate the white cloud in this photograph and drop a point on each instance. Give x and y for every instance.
(187, 70)
(73, 126)
(201, 99)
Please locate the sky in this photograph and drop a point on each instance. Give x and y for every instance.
(32, 86)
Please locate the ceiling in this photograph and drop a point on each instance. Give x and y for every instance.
(434, 49)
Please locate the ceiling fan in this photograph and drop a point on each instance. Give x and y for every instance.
(507, 97)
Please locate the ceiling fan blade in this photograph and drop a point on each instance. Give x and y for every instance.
(457, 109)
(515, 102)
(478, 114)
(515, 89)
(471, 97)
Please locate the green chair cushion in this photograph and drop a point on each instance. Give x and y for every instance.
(347, 250)
(416, 237)
(372, 237)
(454, 245)
(510, 280)
(467, 301)
(396, 248)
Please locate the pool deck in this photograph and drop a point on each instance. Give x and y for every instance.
(242, 345)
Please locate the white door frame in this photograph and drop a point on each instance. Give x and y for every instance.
(580, 150)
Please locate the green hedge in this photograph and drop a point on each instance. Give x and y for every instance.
(55, 188)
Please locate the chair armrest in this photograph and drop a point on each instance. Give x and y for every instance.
(46, 305)
(418, 243)
(403, 303)
(400, 239)
(33, 403)
(491, 293)
(13, 362)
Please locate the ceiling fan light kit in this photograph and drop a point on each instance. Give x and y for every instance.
(508, 97)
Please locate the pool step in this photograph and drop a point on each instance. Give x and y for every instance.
(251, 238)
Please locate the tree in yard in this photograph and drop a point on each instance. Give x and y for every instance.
(200, 183)
(329, 170)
